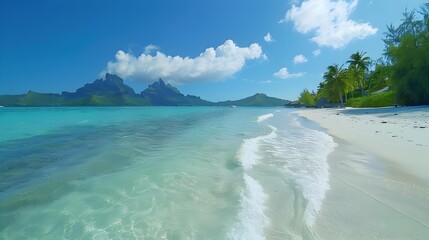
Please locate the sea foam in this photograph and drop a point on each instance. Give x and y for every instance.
(301, 154)
(265, 117)
(305, 153)
(252, 217)
(316, 184)
(248, 154)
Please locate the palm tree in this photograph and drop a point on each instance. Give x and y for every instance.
(336, 84)
(359, 63)
(348, 76)
(320, 91)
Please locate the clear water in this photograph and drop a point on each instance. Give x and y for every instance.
(160, 173)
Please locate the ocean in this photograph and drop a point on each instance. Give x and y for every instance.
(160, 173)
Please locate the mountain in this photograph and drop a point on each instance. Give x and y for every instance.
(258, 99)
(32, 99)
(161, 94)
(113, 92)
(108, 92)
(111, 86)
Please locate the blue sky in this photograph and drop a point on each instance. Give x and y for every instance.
(218, 50)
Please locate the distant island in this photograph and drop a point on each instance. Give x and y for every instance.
(112, 91)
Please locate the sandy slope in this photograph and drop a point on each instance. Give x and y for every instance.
(379, 173)
(399, 135)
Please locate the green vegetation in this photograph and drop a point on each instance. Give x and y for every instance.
(336, 84)
(109, 92)
(379, 77)
(32, 99)
(258, 99)
(403, 78)
(307, 98)
(408, 51)
(113, 92)
(359, 64)
(377, 100)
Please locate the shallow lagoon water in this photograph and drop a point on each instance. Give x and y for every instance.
(160, 173)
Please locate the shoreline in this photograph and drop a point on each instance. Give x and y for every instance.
(398, 135)
(372, 194)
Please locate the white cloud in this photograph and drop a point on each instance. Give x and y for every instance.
(329, 21)
(268, 38)
(317, 52)
(266, 81)
(211, 65)
(299, 59)
(264, 57)
(283, 73)
(150, 48)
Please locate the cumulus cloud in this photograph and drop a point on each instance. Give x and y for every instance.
(268, 38)
(317, 52)
(211, 65)
(150, 48)
(299, 59)
(329, 21)
(283, 73)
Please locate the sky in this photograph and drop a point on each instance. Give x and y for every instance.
(218, 50)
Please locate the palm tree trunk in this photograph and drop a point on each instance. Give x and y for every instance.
(341, 99)
(369, 88)
(361, 88)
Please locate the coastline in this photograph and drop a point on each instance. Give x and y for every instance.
(398, 135)
(375, 193)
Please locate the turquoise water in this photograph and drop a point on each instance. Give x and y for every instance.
(160, 173)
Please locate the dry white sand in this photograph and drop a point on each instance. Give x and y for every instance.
(400, 135)
(379, 173)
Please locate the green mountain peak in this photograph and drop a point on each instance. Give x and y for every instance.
(112, 91)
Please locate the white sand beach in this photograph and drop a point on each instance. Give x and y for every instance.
(400, 135)
(379, 173)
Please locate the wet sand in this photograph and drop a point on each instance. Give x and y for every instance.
(375, 192)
